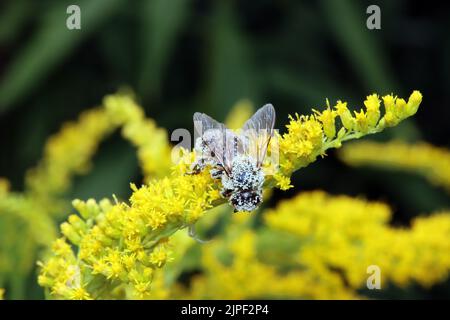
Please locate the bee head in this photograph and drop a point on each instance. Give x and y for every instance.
(247, 200)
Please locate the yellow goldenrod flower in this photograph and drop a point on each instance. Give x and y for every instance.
(361, 121)
(128, 239)
(2, 292)
(248, 276)
(345, 115)
(351, 234)
(108, 233)
(327, 118)
(318, 246)
(80, 294)
(413, 103)
(419, 158)
(311, 136)
(68, 153)
(372, 104)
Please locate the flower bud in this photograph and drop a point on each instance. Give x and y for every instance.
(413, 103)
(372, 104)
(346, 117)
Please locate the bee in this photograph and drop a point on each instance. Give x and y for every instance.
(235, 158)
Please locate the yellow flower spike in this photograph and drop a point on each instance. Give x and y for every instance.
(304, 141)
(419, 158)
(66, 154)
(2, 292)
(249, 276)
(335, 241)
(163, 206)
(123, 108)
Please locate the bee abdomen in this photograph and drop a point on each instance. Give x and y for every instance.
(247, 200)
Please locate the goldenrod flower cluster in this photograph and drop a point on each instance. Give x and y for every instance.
(121, 247)
(28, 216)
(30, 213)
(319, 246)
(310, 136)
(420, 158)
(2, 292)
(70, 151)
(350, 234)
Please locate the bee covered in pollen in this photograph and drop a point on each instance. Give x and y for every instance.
(235, 158)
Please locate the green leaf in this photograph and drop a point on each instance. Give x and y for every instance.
(50, 45)
(232, 77)
(160, 22)
(362, 46)
(13, 18)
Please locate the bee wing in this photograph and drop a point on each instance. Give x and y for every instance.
(203, 123)
(221, 142)
(257, 132)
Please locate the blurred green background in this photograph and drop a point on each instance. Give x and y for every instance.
(182, 56)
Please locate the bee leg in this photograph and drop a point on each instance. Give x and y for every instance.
(226, 193)
(197, 167)
(216, 173)
(191, 233)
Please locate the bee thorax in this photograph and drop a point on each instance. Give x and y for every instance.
(245, 174)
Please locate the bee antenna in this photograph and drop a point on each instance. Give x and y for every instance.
(193, 235)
